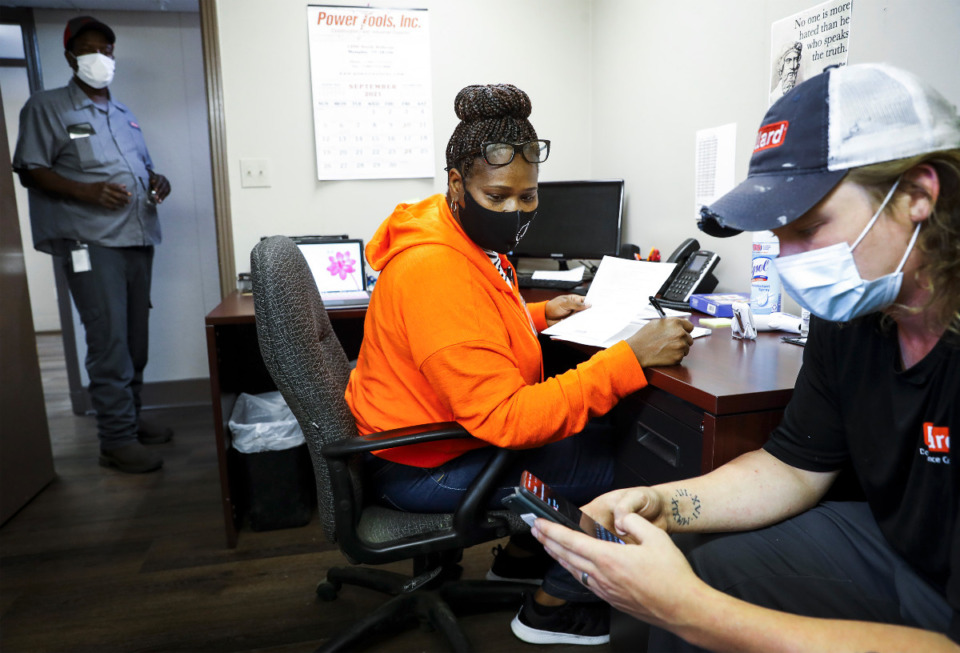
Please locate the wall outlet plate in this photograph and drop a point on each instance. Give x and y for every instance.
(255, 173)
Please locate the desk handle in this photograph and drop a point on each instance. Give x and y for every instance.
(658, 445)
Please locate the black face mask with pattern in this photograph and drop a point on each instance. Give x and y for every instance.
(499, 231)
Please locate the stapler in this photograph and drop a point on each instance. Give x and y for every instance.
(743, 326)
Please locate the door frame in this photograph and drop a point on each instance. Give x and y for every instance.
(209, 27)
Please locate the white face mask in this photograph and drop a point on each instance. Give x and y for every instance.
(95, 69)
(827, 283)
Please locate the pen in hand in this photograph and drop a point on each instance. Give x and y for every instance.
(656, 305)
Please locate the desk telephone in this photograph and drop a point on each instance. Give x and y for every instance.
(693, 274)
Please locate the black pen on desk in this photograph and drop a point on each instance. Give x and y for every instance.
(656, 305)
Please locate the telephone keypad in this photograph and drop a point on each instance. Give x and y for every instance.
(683, 285)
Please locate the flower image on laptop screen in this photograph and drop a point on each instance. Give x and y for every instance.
(336, 266)
(342, 265)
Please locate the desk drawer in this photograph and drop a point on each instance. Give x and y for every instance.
(657, 446)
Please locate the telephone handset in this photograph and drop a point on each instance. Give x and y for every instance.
(693, 274)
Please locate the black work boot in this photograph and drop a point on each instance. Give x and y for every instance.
(132, 458)
(149, 432)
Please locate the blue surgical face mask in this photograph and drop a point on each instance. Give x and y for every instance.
(827, 283)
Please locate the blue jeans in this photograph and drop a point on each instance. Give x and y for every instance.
(579, 467)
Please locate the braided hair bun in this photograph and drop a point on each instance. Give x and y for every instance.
(488, 113)
(492, 101)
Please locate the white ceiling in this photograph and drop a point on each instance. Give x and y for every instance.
(92, 6)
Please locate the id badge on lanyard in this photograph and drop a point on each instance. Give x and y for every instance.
(80, 258)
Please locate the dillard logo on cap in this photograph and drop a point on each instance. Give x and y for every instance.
(771, 135)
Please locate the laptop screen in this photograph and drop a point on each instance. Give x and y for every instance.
(337, 265)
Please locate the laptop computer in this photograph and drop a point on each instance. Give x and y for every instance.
(339, 268)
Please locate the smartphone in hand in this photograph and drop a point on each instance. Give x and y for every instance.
(533, 498)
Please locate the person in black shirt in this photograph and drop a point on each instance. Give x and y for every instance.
(857, 171)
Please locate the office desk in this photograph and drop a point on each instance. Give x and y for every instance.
(722, 401)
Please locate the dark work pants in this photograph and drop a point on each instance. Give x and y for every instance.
(579, 468)
(830, 562)
(113, 299)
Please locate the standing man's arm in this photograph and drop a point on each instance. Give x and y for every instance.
(40, 144)
(105, 194)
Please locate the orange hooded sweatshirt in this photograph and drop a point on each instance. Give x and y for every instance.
(447, 339)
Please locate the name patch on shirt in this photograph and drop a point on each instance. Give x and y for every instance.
(936, 444)
(81, 130)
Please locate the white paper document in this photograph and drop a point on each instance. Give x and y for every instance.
(576, 274)
(619, 303)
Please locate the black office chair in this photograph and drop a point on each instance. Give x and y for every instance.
(308, 365)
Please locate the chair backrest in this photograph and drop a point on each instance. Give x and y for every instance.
(303, 356)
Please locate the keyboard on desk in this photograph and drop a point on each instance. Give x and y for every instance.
(527, 281)
(345, 299)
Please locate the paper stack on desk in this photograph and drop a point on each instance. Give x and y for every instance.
(575, 274)
(619, 303)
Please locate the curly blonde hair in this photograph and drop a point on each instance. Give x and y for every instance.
(939, 238)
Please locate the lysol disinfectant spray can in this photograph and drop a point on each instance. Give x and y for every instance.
(765, 283)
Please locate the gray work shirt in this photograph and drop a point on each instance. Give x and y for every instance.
(65, 131)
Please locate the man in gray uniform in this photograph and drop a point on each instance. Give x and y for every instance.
(93, 197)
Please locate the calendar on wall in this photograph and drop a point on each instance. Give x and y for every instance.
(372, 110)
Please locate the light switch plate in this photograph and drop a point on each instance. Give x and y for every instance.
(255, 173)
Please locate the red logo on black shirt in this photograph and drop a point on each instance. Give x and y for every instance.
(937, 438)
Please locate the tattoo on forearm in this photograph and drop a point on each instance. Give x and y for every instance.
(685, 507)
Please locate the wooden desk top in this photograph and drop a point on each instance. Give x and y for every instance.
(723, 375)
(237, 308)
(720, 375)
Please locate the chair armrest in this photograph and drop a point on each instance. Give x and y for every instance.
(394, 438)
(470, 523)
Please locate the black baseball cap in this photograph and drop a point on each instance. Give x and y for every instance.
(843, 118)
(80, 24)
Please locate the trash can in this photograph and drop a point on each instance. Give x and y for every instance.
(276, 487)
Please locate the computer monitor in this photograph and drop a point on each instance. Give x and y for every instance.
(575, 220)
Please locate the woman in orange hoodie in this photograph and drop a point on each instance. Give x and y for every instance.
(448, 337)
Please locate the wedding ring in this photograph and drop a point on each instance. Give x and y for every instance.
(584, 577)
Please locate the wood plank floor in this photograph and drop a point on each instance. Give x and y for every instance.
(105, 561)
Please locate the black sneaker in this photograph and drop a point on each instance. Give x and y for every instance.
(519, 570)
(572, 623)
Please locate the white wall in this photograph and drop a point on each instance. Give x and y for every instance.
(160, 78)
(620, 86)
(663, 70)
(542, 46)
(40, 281)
